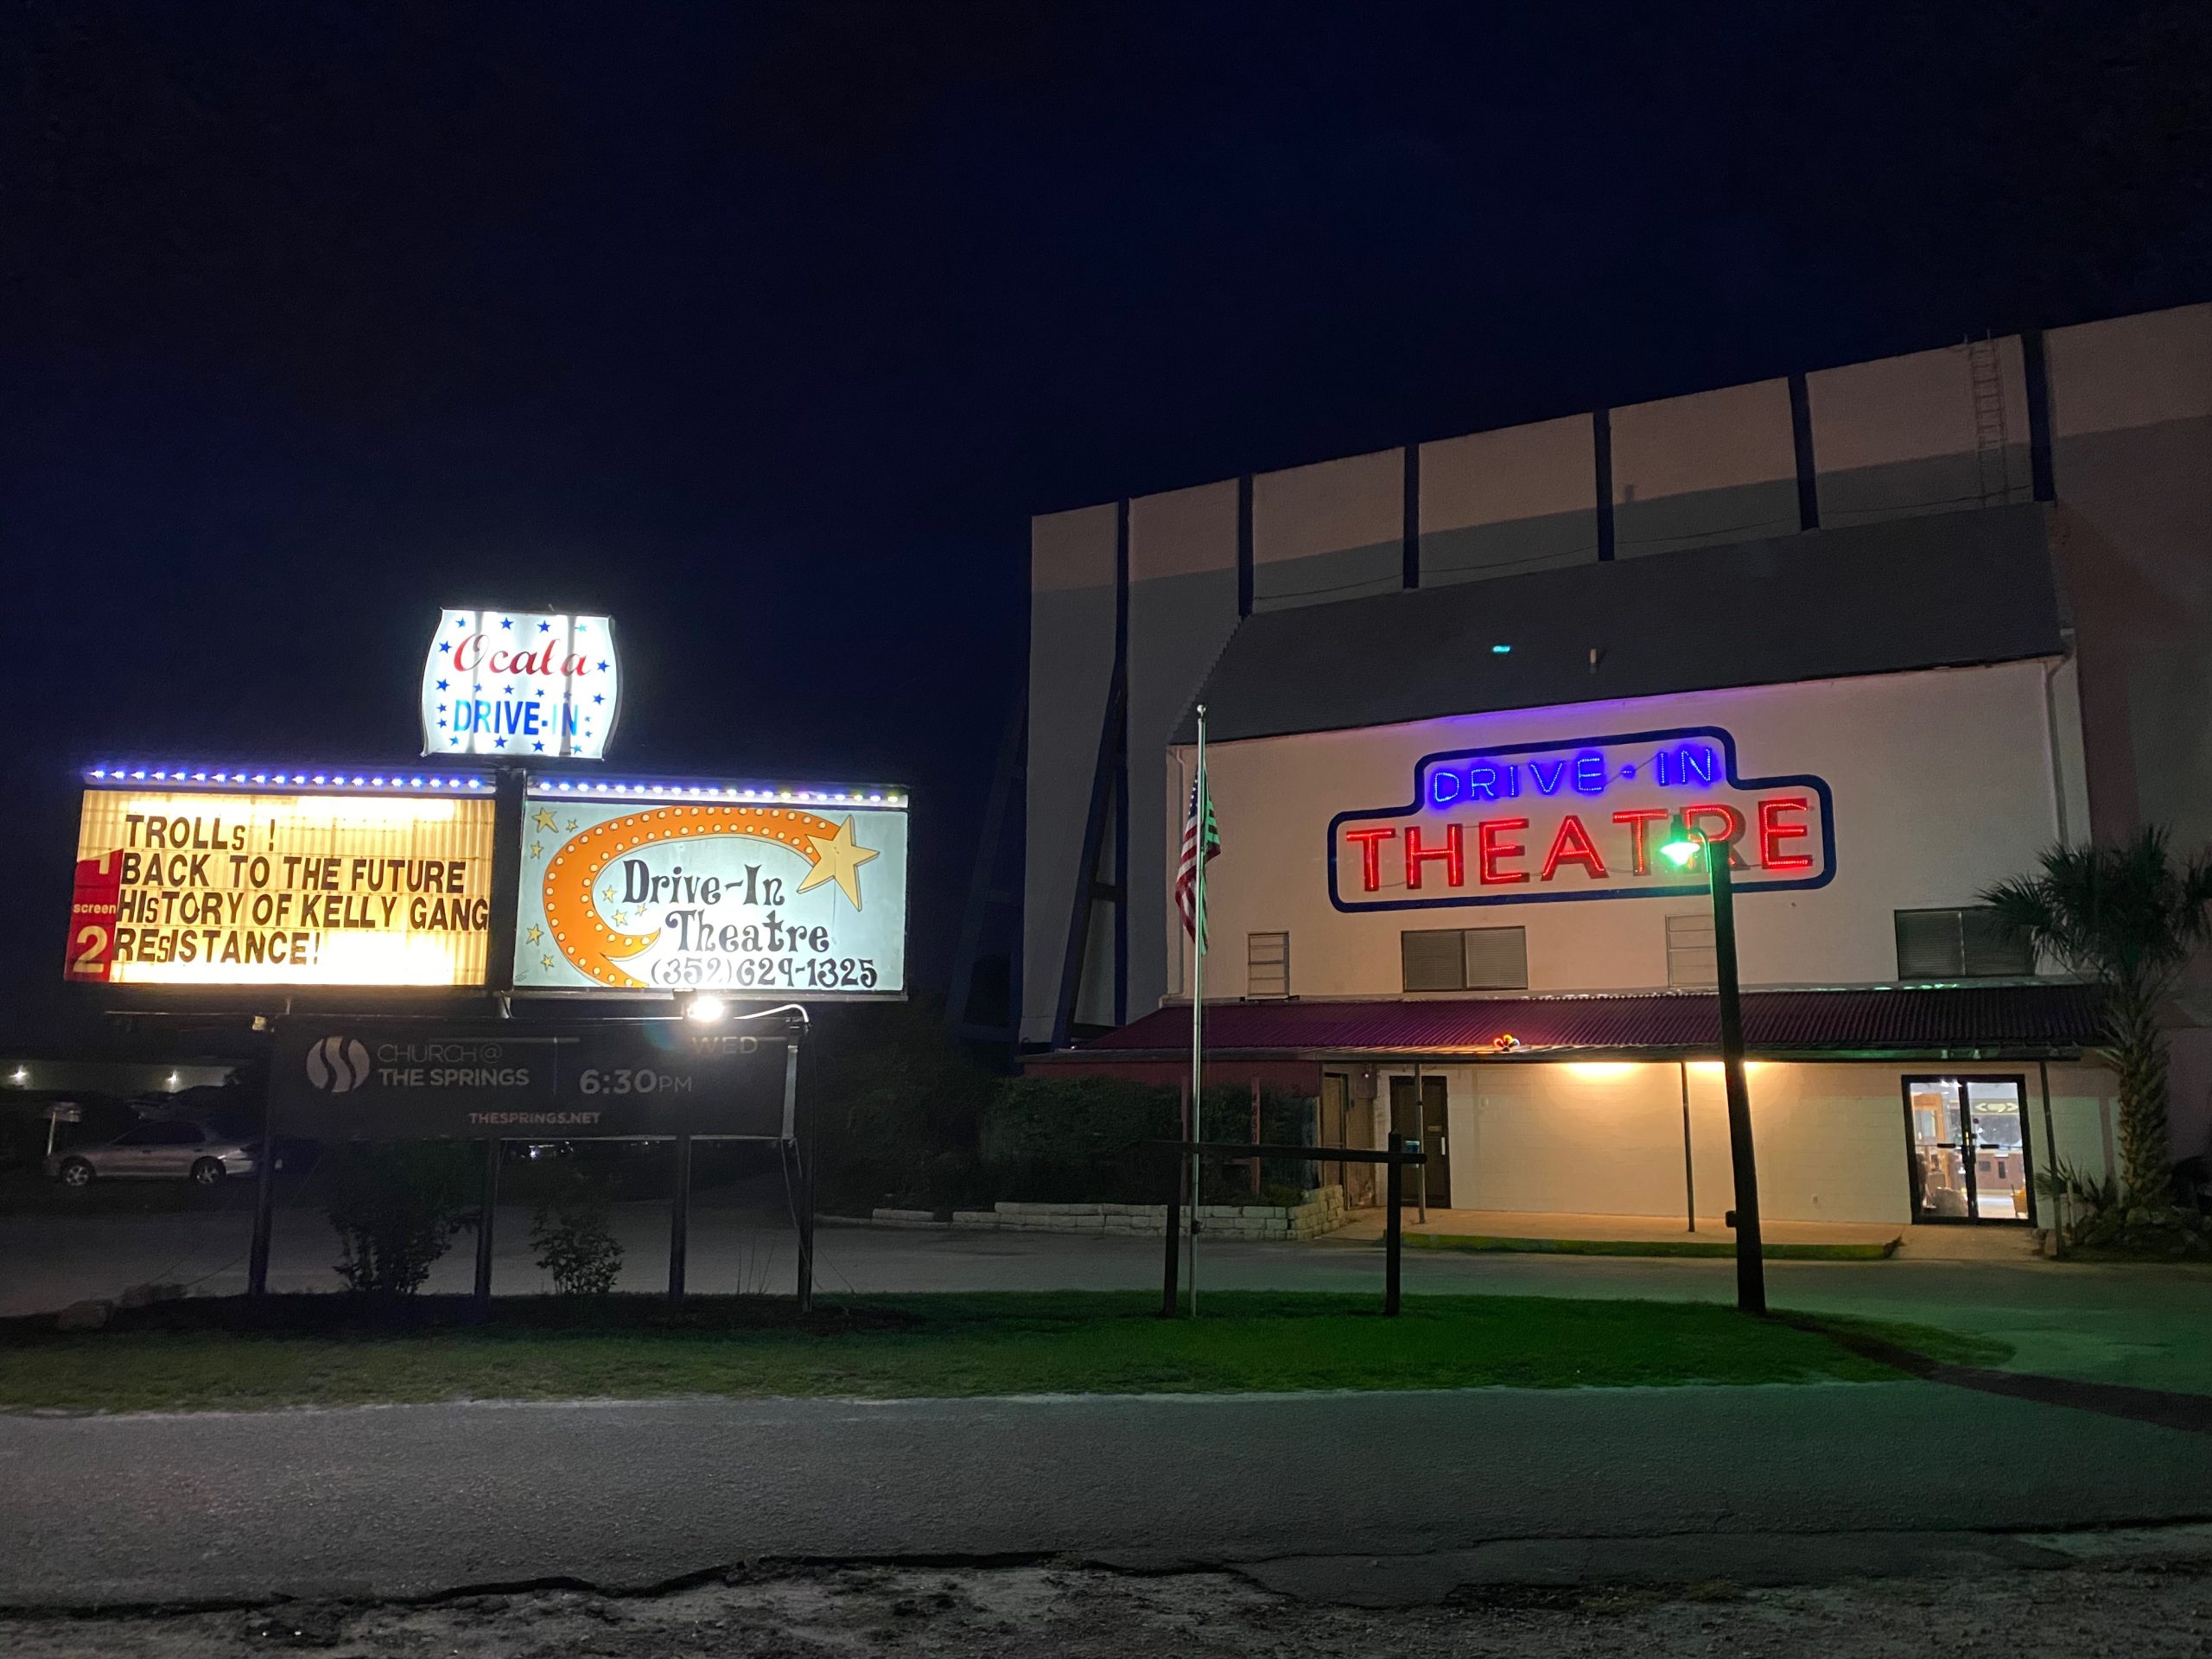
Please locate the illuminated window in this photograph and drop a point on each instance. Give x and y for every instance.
(1464, 959)
(1266, 965)
(1969, 943)
(1691, 964)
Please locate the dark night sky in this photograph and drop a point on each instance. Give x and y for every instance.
(765, 328)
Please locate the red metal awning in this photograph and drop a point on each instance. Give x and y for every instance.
(1997, 1019)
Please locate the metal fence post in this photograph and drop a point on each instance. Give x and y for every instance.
(1174, 1237)
(1393, 1233)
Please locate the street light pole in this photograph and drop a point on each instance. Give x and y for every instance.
(1682, 844)
(1751, 1262)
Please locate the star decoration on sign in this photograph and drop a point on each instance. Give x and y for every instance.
(545, 627)
(544, 819)
(499, 742)
(539, 746)
(442, 685)
(838, 858)
(536, 934)
(506, 621)
(545, 962)
(572, 826)
(607, 893)
(536, 850)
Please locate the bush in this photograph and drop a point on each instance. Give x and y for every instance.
(2100, 1215)
(1090, 1140)
(571, 1231)
(396, 1207)
(1078, 1141)
(894, 1103)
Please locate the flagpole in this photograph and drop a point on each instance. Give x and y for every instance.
(1202, 806)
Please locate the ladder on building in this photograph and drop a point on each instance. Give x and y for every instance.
(1991, 440)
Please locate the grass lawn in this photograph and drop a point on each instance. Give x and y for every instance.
(204, 1354)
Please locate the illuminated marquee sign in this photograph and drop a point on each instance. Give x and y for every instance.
(525, 684)
(1578, 819)
(791, 893)
(203, 887)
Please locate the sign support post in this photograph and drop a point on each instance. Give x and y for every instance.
(679, 1220)
(491, 1205)
(264, 1199)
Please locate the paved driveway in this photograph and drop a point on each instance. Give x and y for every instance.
(2151, 1327)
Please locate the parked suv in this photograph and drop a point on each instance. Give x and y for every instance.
(158, 1149)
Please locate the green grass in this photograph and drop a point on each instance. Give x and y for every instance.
(1478, 1242)
(199, 1355)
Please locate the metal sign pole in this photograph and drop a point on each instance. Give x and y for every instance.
(264, 1199)
(679, 1220)
(1200, 812)
(802, 1177)
(491, 1206)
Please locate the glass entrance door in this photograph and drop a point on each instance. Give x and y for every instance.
(1969, 1149)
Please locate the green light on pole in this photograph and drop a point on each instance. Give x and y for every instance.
(1680, 848)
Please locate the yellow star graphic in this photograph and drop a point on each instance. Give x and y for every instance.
(545, 820)
(545, 962)
(839, 860)
(607, 893)
(536, 934)
(538, 849)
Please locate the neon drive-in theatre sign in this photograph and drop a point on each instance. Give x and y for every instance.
(531, 685)
(1578, 819)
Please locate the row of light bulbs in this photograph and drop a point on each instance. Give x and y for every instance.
(565, 786)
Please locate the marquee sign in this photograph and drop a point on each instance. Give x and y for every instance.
(1578, 819)
(773, 898)
(209, 887)
(525, 684)
(336, 1078)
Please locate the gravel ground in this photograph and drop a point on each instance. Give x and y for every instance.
(2141, 1609)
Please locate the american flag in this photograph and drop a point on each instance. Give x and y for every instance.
(1187, 872)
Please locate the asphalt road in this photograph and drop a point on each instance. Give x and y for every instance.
(406, 1500)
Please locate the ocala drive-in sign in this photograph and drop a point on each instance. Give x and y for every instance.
(340, 1079)
(527, 685)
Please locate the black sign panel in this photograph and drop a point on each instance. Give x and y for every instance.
(337, 1079)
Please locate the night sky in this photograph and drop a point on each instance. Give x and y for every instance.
(765, 328)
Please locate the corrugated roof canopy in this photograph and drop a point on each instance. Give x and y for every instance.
(1905, 1021)
(1942, 590)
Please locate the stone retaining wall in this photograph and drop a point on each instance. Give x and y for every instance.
(1321, 1209)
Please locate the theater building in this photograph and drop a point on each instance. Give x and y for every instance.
(1888, 629)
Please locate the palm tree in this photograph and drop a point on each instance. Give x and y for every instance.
(2127, 917)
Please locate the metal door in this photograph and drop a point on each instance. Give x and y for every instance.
(1424, 1119)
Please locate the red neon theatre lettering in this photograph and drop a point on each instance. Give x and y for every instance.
(1586, 821)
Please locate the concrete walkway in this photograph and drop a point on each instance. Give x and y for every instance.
(1367, 1225)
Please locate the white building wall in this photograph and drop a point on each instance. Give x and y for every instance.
(1944, 782)
(1606, 1138)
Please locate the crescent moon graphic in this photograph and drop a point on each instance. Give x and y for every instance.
(582, 934)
